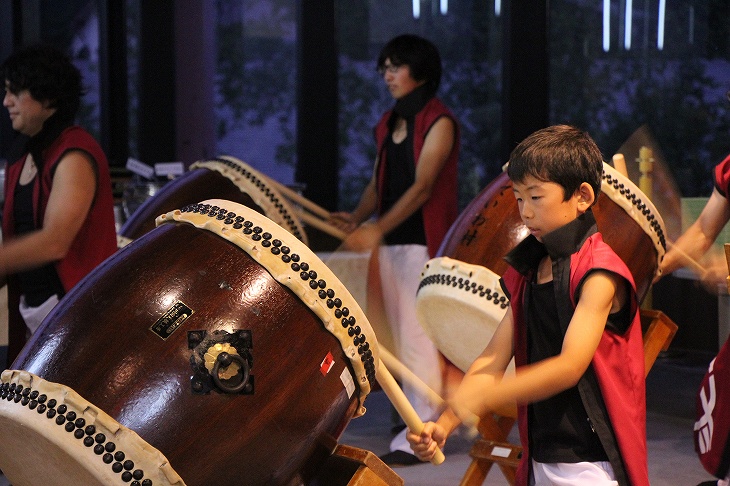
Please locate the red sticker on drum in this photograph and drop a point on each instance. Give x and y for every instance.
(327, 363)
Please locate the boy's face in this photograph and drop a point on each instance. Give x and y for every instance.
(543, 208)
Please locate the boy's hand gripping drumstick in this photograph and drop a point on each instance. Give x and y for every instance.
(403, 406)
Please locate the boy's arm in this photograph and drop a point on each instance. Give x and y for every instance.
(484, 389)
(481, 375)
(601, 292)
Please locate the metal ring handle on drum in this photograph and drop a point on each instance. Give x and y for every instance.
(226, 359)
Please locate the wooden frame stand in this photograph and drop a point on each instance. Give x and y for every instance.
(351, 466)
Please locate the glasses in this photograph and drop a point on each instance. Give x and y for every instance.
(388, 68)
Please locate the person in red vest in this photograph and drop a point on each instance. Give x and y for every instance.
(413, 197)
(573, 328)
(712, 430)
(58, 216)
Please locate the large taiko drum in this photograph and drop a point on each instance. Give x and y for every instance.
(459, 300)
(224, 178)
(216, 350)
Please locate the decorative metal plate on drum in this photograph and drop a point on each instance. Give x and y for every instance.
(219, 340)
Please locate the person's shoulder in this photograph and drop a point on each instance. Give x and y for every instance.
(76, 136)
(436, 105)
(721, 176)
(601, 255)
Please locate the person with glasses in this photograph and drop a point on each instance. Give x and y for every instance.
(58, 217)
(408, 206)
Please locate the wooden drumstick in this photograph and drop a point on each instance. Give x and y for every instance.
(321, 225)
(696, 266)
(311, 207)
(619, 163)
(406, 375)
(297, 198)
(403, 406)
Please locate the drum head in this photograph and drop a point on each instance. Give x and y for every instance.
(460, 306)
(51, 435)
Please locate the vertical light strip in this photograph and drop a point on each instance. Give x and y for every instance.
(497, 7)
(444, 7)
(627, 24)
(660, 25)
(691, 24)
(416, 9)
(606, 25)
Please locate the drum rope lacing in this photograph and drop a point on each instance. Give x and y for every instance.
(305, 273)
(467, 286)
(62, 415)
(633, 199)
(292, 223)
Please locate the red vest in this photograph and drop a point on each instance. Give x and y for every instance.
(722, 176)
(441, 209)
(95, 241)
(618, 363)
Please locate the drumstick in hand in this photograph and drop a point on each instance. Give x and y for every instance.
(696, 266)
(297, 198)
(403, 406)
(407, 376)
(318, 216)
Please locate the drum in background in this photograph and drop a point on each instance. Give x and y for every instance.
(219, 339)
(321, 235)
(490, 227)
(221, 178)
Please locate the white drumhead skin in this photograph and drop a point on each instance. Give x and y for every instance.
(623, 192)
(460, 306)
(38, 449)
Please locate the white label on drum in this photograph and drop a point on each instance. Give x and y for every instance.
(501, 451)
(346, 378)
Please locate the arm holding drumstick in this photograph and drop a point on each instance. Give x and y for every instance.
(698, 239)
(476, 396)
(404, 408)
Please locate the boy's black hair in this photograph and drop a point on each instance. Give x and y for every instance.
(48, 75)
(561, 154)
(419, 54)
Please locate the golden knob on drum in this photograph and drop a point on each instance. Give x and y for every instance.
(211, 357)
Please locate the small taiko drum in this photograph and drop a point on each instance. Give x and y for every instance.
(470, 294)
(459, 289)
(224, 178)
(216, 350)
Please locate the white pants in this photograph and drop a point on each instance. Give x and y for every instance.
(400, 274)
(578, 474)
(33, 316)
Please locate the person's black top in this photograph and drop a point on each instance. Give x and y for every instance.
(40, 283)
(560, 430)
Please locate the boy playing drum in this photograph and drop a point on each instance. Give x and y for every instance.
(573, 328)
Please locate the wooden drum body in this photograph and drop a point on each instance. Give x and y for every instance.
(491, 226)
(218, 338)
(221, 178)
